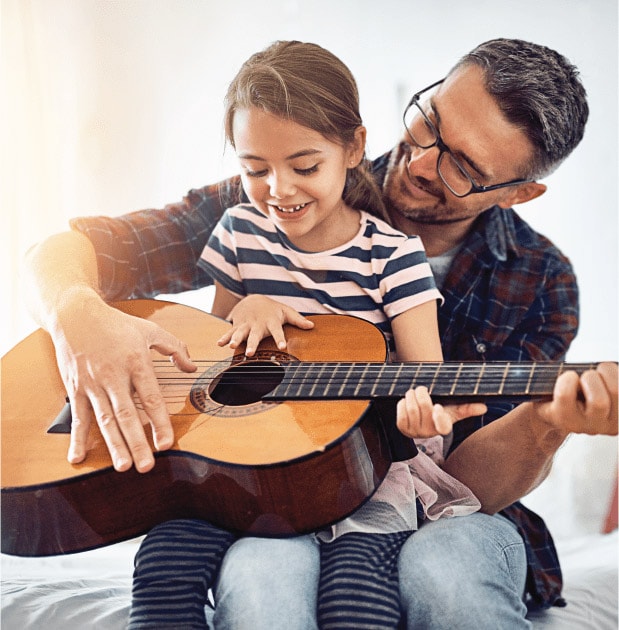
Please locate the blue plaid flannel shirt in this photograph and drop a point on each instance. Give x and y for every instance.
(510, 295)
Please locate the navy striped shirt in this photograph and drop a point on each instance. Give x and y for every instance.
(377, 275)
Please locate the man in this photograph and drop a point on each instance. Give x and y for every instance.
(474, 145)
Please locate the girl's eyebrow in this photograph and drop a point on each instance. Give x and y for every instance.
(458, 154)
(249, 156)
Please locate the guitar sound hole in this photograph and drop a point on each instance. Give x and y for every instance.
(246, 383)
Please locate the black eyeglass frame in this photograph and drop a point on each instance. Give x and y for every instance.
(443, 148)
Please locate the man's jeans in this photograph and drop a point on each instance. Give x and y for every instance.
(464, 572)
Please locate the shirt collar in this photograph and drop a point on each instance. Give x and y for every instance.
(499, 232)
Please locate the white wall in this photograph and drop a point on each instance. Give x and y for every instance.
(114, 105)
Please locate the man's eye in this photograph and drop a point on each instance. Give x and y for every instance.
(306, 171)
(428, 125)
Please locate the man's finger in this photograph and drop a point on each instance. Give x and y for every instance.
(111, 432)
(155, 410)
(81, 414)
(170, 346)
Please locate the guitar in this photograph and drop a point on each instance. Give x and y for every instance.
(280, 444)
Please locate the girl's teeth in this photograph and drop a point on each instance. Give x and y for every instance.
(295, 209)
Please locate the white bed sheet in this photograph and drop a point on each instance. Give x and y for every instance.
(92, 589)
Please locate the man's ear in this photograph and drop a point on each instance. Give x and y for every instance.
(357, 147)
(521, 194)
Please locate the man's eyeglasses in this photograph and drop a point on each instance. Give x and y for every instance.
(425, 135)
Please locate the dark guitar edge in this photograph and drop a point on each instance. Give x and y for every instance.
(186, 485)
(175, 452)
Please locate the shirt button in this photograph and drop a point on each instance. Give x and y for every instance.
(481, 348)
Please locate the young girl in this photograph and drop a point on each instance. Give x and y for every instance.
(311, 240)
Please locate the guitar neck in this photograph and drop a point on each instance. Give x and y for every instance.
(446, 381)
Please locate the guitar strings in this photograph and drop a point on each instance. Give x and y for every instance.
(497, 366)
(492, 376)
(345, 370)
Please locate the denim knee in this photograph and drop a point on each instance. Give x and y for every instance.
(268, 584)
(465, 572)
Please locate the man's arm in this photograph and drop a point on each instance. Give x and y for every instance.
(506, 459)
(507, 453)
(147, 252)
(103, 354)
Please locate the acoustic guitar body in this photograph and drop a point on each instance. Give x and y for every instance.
(250, 466)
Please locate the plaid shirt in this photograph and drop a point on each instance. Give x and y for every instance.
(509, 295)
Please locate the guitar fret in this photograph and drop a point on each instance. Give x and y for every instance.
(443, 382)
(418, 372)
(330, 382)
(373, 390)
(544, 379)
(377, 382)
(528, 388)
(345, 380)
(481, 372)
(397, 378)
(504, 377)
(456, 378)
(397, 375)
(308, 382)
(518, 379)
(432, 384)
(318, 379)
(491, 380)
(361, 379)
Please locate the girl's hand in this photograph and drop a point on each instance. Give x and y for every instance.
(419, 417)
(256, 317)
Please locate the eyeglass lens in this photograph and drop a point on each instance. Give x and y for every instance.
(424, 134)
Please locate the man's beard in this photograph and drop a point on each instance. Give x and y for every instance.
(396, 194)
(426, 217)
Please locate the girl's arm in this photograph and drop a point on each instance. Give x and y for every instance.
(223, 302)
(415, 333)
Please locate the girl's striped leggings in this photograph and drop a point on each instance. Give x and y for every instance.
(178, 561)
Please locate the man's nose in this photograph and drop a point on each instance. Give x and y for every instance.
(423, 162)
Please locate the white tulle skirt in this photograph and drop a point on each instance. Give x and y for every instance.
(393, 507)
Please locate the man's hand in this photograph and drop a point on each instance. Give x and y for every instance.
(104, 359)
(256, 317)
(585, 404)
(517, 450)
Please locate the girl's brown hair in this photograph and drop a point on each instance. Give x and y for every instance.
(305, 83)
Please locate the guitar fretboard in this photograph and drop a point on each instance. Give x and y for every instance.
(447, 380)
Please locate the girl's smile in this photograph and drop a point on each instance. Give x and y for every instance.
(296, 176)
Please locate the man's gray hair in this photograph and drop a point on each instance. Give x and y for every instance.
(538, 90)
